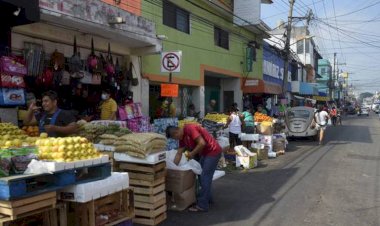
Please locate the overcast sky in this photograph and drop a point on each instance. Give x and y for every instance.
(352, 30)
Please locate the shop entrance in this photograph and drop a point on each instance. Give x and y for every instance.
(224, 89)
(228, 100)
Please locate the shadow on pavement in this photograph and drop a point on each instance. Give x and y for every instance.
(236, 197)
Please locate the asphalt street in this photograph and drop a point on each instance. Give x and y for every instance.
(334, 184)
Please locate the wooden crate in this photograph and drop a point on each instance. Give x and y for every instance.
(150, 221)
(10, 210)
(148, 182)
(89, 213)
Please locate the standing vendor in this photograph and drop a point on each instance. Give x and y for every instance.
(108, 106)
(198, 141)
(52, 120)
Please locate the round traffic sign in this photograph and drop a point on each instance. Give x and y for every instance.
(170, 61)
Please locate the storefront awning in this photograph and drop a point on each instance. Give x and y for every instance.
(261, 86)
(307, 89)
(321, 98)
(101, 19)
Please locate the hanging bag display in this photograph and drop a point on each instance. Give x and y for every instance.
(75, 63)
(110, 68)
(135, 81)
(12, 65)
(11, 81)
(93, 60)
(57, 60)
(12, 97)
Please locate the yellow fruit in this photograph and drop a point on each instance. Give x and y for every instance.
(61, 148)
(43, 135)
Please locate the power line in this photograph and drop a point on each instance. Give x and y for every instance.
(358, 10)
(336, 23)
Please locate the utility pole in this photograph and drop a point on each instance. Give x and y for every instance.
(287, 47)
(331, 85)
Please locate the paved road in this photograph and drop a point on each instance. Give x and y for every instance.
(334, 184)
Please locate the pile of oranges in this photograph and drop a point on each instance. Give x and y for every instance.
(31, 131)
(259, 117)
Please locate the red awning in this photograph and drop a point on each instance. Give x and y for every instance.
(261, 86)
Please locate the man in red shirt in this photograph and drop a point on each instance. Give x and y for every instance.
(198, 141)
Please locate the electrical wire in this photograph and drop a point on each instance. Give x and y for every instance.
(358, 10)
(336, 23)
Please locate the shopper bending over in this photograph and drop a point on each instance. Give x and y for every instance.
(198, 141)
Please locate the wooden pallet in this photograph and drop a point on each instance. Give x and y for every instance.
(150, 221)
(89, 213)
(150, 213)
(21, 186)
(11, 210)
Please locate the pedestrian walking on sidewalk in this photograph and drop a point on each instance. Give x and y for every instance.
(321, 118)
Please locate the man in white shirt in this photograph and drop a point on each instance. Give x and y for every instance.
(321, 117)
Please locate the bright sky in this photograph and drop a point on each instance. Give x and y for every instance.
(351, 28)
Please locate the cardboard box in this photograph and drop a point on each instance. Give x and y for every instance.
(262, 153)
(266, 140)
(181, 201)
(248, 162)
(179, 181)
(265, 130)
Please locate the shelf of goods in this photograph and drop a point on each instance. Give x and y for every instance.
(148, 183)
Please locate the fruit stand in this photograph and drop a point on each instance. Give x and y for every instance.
(43, 178)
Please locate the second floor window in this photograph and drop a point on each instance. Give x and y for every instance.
(221, 38)
(176, 17)
(300, 47)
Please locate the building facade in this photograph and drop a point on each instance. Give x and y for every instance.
(217, 55)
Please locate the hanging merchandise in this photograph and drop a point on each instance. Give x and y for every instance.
(110, 68)
(93, 60)
(46, 79)
(12, 97)
(57, 60)
(34, 56)
(13, 65)
(75, 63)
(65, 81)
(135, 81)
(11, 81)
(118, 70)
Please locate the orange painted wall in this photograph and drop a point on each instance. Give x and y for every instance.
(132, 6)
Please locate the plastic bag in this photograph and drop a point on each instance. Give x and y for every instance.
(184, 164)
(36, 167)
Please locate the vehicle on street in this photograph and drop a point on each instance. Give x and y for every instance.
(377, 109)
(299, 122)
(363, 111)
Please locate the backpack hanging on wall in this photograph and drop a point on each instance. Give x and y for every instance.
(93, 61)
(75, 63)
(110, 67)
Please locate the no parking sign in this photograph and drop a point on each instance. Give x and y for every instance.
(171, 61)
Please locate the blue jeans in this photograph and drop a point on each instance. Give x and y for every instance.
(209, 164)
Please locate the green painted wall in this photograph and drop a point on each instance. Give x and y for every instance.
(198, 47)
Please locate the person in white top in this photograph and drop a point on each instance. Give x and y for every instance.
(321, 118)
(234, 123)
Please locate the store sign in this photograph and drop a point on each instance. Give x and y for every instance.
(169, 90)
(247, 12)
(171, 61)
(251, 82)
(275, 71)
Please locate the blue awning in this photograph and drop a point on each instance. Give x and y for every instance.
(306, 89)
